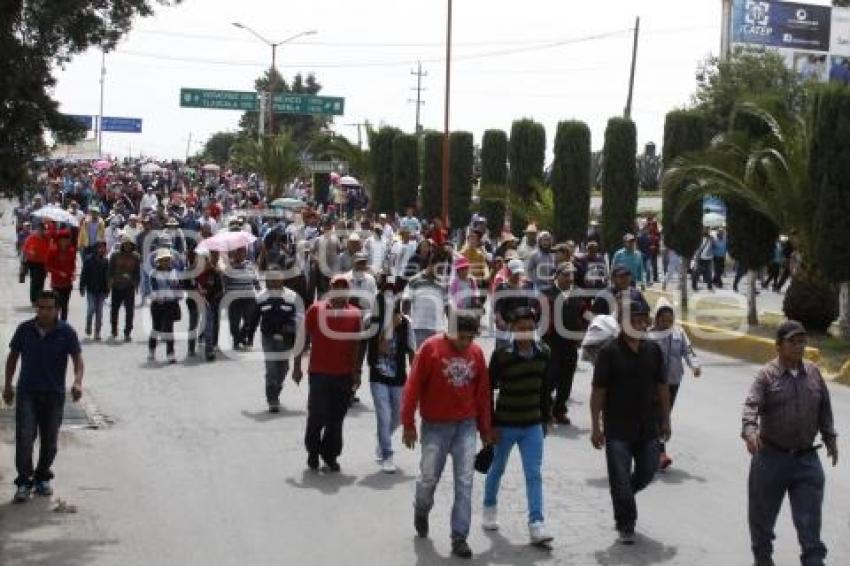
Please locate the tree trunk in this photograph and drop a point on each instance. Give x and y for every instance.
(683, 288)
(752, 311)
(844, 309)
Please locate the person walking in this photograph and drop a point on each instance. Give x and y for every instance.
(450, 386)
(703, 262)
(788, 404)
(517, 291)
(279, 314)
(630, 257)
(125, 272)
(43, 345)
(209, 284)
(165, 304)
(719, 249)
(92, 230)
(334, 330)
(61, 265)
(240, 284)
(521, 416)
(428, 299)
(34, 252)
(94, 285)
(541, 263)
(629, 390)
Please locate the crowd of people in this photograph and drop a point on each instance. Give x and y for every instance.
(396, 295)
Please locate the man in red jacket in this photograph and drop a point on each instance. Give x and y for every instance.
(450, 385)
(34, 253)
(61, 263)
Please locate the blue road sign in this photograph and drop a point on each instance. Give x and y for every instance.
(87, 121)
(126, 125)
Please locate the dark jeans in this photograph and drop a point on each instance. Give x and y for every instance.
(327, 404)
(194, 318)
(772, 475)
(63, 297)
(773, 271)
(626, 480)
(674, 391)
(163, 314)
(238, 314)
(740, 271)
(37, 414)
(562, 369)
(37, 276)
(277, 366)
(211, 322)
(703, 270)
(650, 267)
(719, 269)
(125, 298)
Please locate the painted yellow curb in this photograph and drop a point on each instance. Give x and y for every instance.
(755, 349)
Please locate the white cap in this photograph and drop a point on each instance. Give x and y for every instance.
(516, 266)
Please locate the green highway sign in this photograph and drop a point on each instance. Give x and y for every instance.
(249, 101)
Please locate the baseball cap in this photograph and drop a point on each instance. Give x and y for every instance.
(361, 256)
(628, 237)
(621, 270)
(789, 329)
(515, 266)
(565, 267)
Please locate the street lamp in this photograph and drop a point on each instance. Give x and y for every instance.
(273, 73)
(446, 139)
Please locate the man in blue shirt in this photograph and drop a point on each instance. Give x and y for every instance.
(719, 249)
(43, 345)
(628, 256)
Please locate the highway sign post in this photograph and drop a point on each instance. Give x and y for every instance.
(249, 101)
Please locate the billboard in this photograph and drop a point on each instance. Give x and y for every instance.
(784, 25)
(125, 125)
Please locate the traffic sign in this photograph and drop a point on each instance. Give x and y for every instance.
(126, 125)
(87, 121)
(249, 101)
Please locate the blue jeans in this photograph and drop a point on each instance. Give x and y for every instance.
(387, 401)
(37, 414)
(772, 475)
(438, 441)
(211, 320)
(624, 480)
(530, 442)
(94, 309)
(277, 366)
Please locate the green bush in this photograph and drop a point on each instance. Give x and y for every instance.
(571, 181)
(620, 191)
(460, 178)
(527, 153)
(494, 173)
(431, 152)
(381, 156)
(811, 301)
(405, 171)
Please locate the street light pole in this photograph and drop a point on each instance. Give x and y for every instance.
(272, 87)
(446, 151)
(100, 112)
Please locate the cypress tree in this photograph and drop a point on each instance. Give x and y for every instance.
(405, 171)
(620, 191)
(381, 157)
(527, 152)
(460, 178)
(494, 173)
(571, 181)
(432, 174)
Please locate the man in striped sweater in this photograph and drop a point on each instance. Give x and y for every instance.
(521, 416)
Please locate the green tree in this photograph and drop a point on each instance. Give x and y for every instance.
(302, 127)
(431, 152)
(494, 173)
(36, 39)
(219, 147)
(620, 191)
(276, 158)
(571, 181)
(460, 178)
(527, 153)
(381, 156)
(830, 182)
(405, 170)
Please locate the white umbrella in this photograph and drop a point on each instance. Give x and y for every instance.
(211, 167)
(56, 214)
(150, 168)
(713, 220)
(348, 180)
(227, 241)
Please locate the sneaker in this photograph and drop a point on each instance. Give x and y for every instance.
(43, 488)
(210, 356)
(88, 332)
(332, 464)
(22, 494)
(627, 536)
(461, 549)
(313, 461)
(664, 461)
(420, 523)
(387, 466)
(562, 419)
(537, 533)
(97, 337)
(274, 406)
(114, 335)
(490, 518)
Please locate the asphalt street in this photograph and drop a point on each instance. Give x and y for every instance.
(191, 469)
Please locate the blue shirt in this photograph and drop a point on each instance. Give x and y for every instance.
(633, 260)
(44, 359)
(719, 247)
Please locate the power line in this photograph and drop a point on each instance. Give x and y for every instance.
(419, 74)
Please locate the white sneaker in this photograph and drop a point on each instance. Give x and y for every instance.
(490, 518)
(537, 533)
(387, 466)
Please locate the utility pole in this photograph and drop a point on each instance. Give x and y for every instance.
(100, 112)
(446, 151)
(359, 125)
(418, 73)
(627, 114)
(272, 86)
(188, 146)
(726, 30)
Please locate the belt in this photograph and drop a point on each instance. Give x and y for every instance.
(793, 452)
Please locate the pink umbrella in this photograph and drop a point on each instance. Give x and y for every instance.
(101, 165)
(334, 178)
(227, 241)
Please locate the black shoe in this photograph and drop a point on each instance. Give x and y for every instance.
(332, 464)
(127, 337)
(313, 461)
(562, 419)
(211, 356)
(420, 523)
(461, 549)
(764, 562)
(627, 535)
(274, 406)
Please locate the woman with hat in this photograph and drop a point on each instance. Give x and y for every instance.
(165, 303)
(463, 288)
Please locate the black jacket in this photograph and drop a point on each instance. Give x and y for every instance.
(94, 277)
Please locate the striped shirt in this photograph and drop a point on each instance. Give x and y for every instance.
(523, 384)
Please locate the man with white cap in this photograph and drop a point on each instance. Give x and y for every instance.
(630, 257)
(541, 263)
(510, 295)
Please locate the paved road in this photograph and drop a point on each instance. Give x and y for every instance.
(194, 471)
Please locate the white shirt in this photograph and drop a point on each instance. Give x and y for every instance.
(367, 289)
(401, 254)
(377, 250)
(149, 200)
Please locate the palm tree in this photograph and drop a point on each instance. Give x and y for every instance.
(276, 158)
(539, 207)
(331, 147)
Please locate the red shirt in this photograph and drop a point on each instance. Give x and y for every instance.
(215, 210)
(61, 266)
(440, 236)
(448, 385)
(35, 248)
(334, 337)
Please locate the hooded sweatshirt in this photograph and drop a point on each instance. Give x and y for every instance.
(675, 347)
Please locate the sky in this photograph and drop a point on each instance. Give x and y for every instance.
(550, 60)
